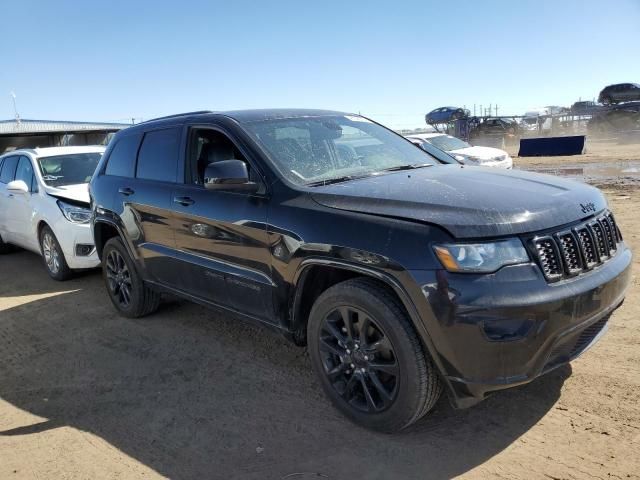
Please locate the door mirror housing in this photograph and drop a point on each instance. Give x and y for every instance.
(231, 175)
(17, 186)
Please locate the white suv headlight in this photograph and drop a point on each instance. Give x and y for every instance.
(481, 257)
(468, 159)
(74, 214)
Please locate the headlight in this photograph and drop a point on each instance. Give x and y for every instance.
(467, 159)
(74, 214)
(481, 257)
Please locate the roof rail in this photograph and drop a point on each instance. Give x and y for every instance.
(199, 112)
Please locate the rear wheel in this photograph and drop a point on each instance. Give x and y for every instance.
(127, 291)
(53, 255)
(369, 359)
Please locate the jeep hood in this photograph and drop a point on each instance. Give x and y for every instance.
(78, 193)
(469, 202)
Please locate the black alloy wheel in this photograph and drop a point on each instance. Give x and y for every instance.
(131, 296)
(118, 278)
(359, 359)
(370, 362)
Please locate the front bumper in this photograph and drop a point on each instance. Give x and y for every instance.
(507, 163)
(71, 236)
(491, 332)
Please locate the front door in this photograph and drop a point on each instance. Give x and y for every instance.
(221, 235)
(7, 174)
(21, 206)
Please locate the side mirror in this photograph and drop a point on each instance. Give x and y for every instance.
(229, 175)
(17, 186)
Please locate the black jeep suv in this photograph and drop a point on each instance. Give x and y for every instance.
(403, 276)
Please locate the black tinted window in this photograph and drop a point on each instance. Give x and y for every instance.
(122, 160)
(24, 171)
(8, 169)
(158, 156)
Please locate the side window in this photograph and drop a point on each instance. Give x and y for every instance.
(24, 171)
(122, 160)
(158, 156)
(8, 169)
(210, 146)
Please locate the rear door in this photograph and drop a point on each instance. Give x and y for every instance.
(7, 174)
(146, 203)
(139, 175)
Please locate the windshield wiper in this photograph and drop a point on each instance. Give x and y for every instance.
(346, 178)
(409, 166)
(329, 181)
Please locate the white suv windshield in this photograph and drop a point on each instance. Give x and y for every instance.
(309, 150)
(447, 143)
(70, 169)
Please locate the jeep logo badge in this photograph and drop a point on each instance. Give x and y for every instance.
(588, 207)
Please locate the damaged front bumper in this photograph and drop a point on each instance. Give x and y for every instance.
(495, 331)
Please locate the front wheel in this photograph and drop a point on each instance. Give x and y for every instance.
(4, 247)
(53, 256)
(127, 291)
(369, 359)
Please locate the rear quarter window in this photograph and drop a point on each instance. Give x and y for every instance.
(122, 159)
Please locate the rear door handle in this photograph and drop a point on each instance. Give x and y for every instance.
(125, 191)
(184, 201)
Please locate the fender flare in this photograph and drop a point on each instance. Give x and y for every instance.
(388, 280)
(118, 229)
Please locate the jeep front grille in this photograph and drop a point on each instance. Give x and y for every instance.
(573, 251)
(549, 258)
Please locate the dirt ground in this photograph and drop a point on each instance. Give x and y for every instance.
(187, 393)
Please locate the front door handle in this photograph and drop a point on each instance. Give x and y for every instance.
(125, 191)
(184, 201)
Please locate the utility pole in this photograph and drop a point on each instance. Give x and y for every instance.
(15, 109)
(496, 109)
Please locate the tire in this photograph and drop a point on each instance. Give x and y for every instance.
(53, 256)
(4, 247)
(129, 294)
(398, 366)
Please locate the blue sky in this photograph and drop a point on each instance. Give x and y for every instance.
(393, 61)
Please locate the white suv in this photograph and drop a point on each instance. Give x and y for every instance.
(44, 205)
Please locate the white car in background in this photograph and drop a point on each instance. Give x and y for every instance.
(465, 153)
(44, 205)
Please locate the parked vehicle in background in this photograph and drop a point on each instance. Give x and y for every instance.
(446, 115)
(583, 108)
(497, 126)
(621, 92)
(44, 206)
(402, 275)
(468, 154)
(536, 120)
(442, 156)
